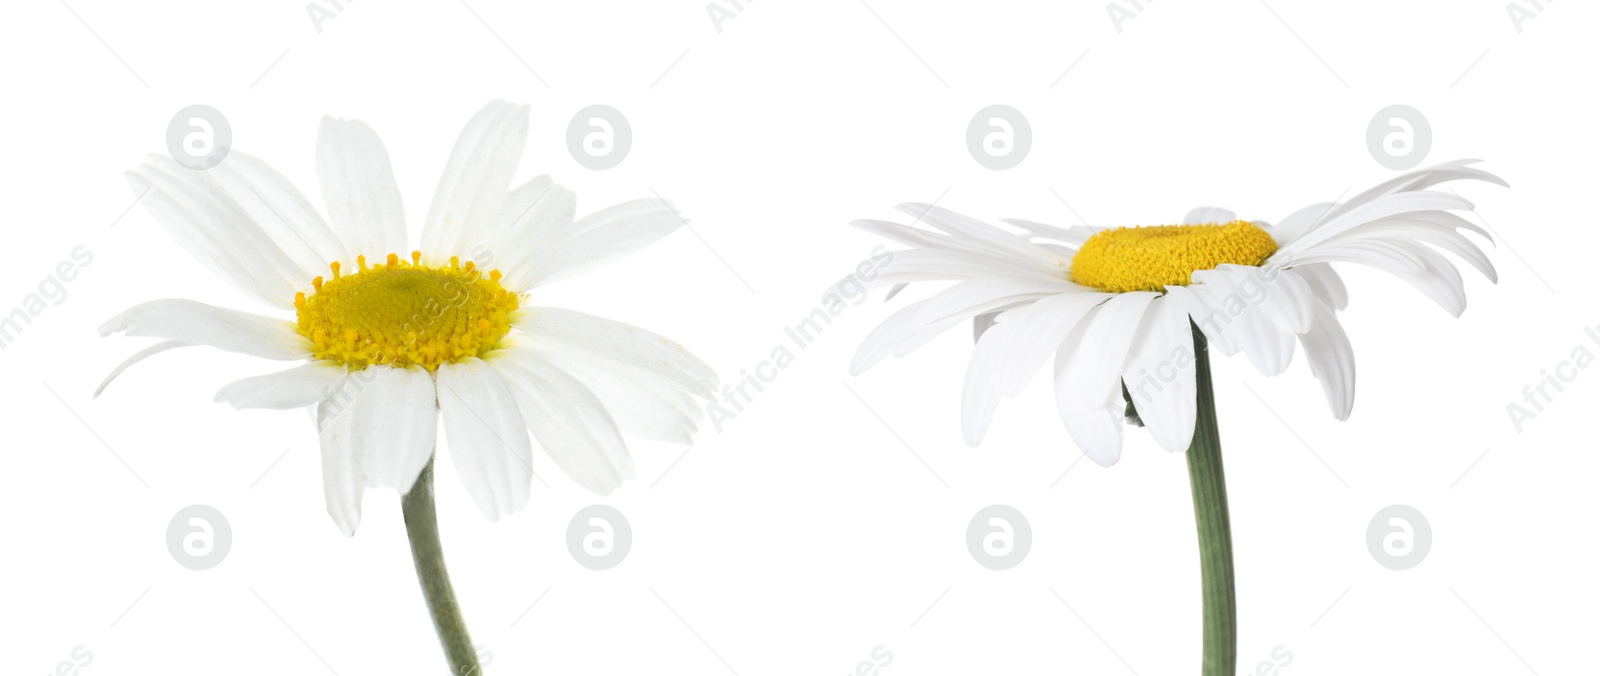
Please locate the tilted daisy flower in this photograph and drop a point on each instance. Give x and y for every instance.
(1122, 317)
(391, 339)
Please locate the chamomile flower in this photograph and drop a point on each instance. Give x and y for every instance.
(387, 340)
(1130, 314)
(1114, 307)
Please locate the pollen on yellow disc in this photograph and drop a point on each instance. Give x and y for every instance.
(1150, 258)
(405, 314)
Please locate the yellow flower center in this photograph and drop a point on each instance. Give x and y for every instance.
(1153, 257)
(404, 313)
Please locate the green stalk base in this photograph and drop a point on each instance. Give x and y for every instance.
(1206, 482)
(422, 528)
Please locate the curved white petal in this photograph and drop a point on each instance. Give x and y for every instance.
(1040, 329)
(298, 387)
(1325, 284)
(621, 347)
(1379, 208)
(1417, 180)
(1207, 312)
(359, 188)
(205, 221)
(918, 265)
(1088, 366)
(1097, 430)
(377, 430)
(137, 357)
(1332, 360)
(1296, 224)
(535, 213)
(1442, 236)
(1107, 333)
(342, 483)
(1071, 237)
(593, 241)
(473, 191)
(570, 423)
(981, 392)
(1244, 301)
(282, 211)
(193, 322)
(1013, 350)
(889, 337)
(978, 234)
(645, 399)
(1159, 374)
(487, 437)
(973, 297)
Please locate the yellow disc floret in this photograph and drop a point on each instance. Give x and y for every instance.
(404, 313)
(1153, 257)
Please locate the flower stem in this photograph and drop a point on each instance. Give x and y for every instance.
(1206, 482)
(422, 527)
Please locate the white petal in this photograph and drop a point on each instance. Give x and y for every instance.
(1072, 238)
(1246, 303)
(1097, 430)
(981, 392)
(1325, 284)
(643, 401)
(1106, 335)
(488, 439)
(1426, 231)
(536, 212)
(342, 485)
(1418, 180)
(937, 264)
(1012, 351)
(1382, 207)
(137, 357)
(1332, 361)
(1159, 374)
(472, 193)
(377, 430)
(1040, 329)
(1298, 223)
(1087, 370)
(1207, 311)
(1209, 215)
(570, 423)
(888, 335)
(199, 215)
(298, 387)
(977, 296)
(624, 348)
(282, 211)
(978, 233)
(197, 323)
(359, 189)
(594, 241)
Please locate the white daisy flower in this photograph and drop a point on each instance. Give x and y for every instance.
(390, 338)
(1115, 306)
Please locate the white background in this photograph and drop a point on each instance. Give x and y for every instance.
(805, 533)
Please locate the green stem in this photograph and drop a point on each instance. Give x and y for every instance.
(1210, 491)
(422, 527)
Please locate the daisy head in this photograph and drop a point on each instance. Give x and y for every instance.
(1121, 310)
(390, 337)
